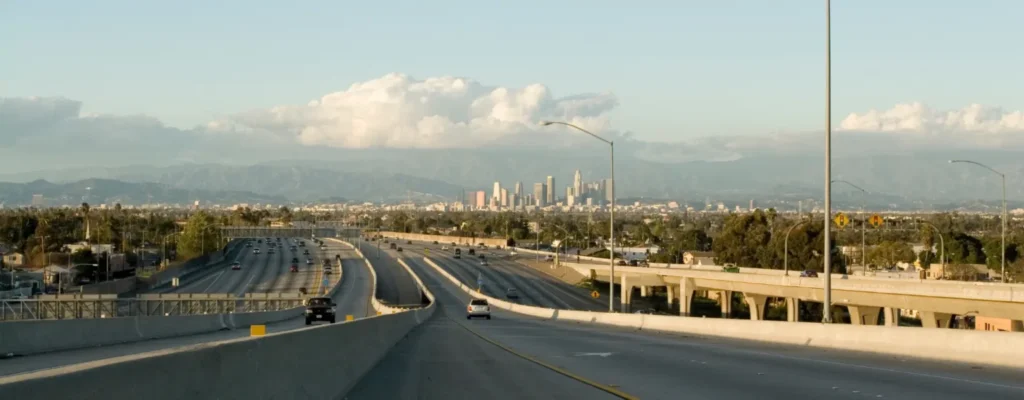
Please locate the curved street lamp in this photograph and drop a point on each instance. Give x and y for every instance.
(611, 215)
(1002, 259)
(785, 255)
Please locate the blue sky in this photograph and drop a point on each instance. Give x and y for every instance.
(680, 69)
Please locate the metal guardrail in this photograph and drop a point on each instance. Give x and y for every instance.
(150, 305)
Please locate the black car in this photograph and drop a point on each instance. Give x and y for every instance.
(472, 252)
(319, 309)
(398, 249)
(393, 246)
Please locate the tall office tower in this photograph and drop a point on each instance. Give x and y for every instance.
(519, 189)
(504, 197)
(751, 204)
(540, 195)
(550, 197)
(497, 191)
(608, 187)
(513, 201)
(481, 199)
(600, 190)
(569, 192)
(577, 184)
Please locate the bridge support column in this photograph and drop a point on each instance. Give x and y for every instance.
(792, 309)
(756, 303)
(643, 291)
(864, 315)
(725, 303)
(932, 319)
(625, 295)
(892, 316)
(670, 292)
(686, 290)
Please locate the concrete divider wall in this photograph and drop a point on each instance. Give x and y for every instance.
(994, 348)
(273, 366)
(377, 305)
(462, 240)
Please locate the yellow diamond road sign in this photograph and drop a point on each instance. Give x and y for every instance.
(595, 294)
(841, 220)
(876, 220)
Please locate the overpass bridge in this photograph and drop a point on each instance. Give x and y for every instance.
(864, 297)
(323, 229)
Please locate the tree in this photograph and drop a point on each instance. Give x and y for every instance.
(742, 239)
(964, 249)
(889, 253)
(993, 249)
(200, 236)
(927, 258)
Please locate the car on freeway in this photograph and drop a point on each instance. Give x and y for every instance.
(260, 241)
(478, 308)
(453, 244)
(323, 247)
(435, 242)
(398, 249)
(255, 251)
(511, 293)
(458, 253)
(309, 261)
(408, 242)
(472, 252)
(294, 268)
(337, 257)
(809, 274)
(320, 309)
(302, 244)
(328, 269)
(295, 260)
(305, 252)
(248, 244)
(731, 268)
(483, 262)
(270, 250)
(393, 246)
(444, 248)
(236, 265)
(549, 258)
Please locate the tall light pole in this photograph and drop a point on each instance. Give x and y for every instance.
(1002, 259)
(863, 222)
(827, 310)
(611, 216)
(785, 249)
(942, 244)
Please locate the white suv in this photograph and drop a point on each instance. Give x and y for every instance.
(478, 308)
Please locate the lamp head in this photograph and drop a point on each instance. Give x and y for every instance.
(545, 123)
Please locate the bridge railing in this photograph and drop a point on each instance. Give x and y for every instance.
(149, 305)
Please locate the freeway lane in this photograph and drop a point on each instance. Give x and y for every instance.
(394, 284)
(353, 297)
(535, 288)
(441, 360)
(653, 365)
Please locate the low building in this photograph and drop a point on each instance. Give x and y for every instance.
(983, 323)
(699, 258)
(14, 260)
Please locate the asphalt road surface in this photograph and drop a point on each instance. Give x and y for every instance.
(535, 288)
(353, 298)
(394, 284)
(441, 359)
(261, 273)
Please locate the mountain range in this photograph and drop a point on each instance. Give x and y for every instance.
(916, 180)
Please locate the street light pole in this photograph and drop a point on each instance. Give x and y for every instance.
(863, 222)
(785, 255)
(1002, 259)
(611, 216)
(942, 244)
(827, 310)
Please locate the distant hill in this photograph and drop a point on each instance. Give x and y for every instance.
(922, 180)
(96, 191)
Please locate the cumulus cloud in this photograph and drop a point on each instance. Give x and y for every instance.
(399, 111)
(917, 118)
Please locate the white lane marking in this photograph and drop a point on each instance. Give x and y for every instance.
(219, 274)
(593, 354)
(245, 288)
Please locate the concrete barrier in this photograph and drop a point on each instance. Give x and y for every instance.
(32, 337)
(977, 347)
(290, 364)
(374, 302)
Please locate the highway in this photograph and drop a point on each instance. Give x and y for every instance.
(394, 284)
(261, 273)
(535, 288)
(353, 298)
(442, 359)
